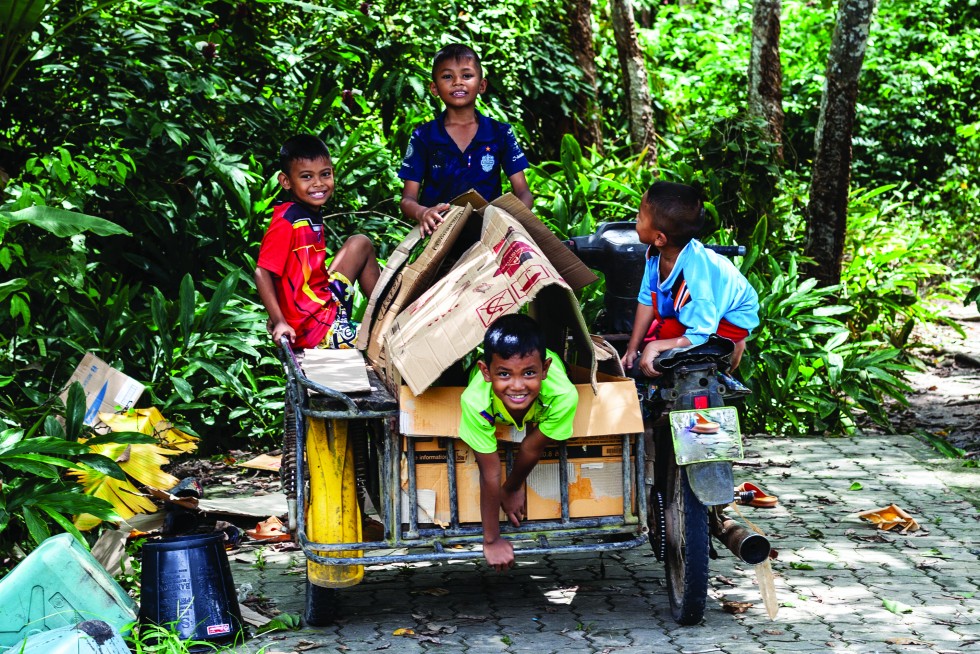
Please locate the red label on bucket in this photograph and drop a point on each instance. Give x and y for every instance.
(215, 629)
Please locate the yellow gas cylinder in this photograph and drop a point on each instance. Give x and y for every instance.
(332, 513)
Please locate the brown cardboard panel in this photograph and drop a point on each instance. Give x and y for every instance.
(432, 478)
(595, 481)
(612, 410)
(411, 279)
(382, 290)
(499, 275)
(569, 266)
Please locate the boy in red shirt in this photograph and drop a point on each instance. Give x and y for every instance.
(308, 299)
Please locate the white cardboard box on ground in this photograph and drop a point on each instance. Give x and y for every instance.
(106, 389)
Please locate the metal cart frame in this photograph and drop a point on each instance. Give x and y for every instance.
(419, 543)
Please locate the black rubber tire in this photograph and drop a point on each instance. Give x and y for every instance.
(687, 548)
(322, 605)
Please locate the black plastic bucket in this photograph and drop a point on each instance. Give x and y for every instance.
(187, 586)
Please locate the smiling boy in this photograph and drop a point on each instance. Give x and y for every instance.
(308, 299)
(461, 149)
(518, 383)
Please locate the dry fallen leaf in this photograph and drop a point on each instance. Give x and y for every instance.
(904, 640)
(404, 631)
(736, 607)
(436, 592)
(889, 517)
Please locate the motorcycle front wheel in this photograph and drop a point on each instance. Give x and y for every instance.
(687, 547)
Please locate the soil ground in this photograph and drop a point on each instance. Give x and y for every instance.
(945, 405)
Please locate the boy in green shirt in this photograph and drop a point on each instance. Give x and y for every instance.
(521, 384)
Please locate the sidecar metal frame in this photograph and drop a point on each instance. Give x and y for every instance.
(406, 540)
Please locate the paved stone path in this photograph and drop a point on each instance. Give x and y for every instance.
(836, 577)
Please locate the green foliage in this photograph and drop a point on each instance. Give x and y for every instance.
(34, 496)
(807, 373)
(890, 268)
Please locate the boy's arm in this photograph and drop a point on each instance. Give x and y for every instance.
(428, 218)
(518, 184)
(641, 325)
(528, 455)
(265, 283)
(498, 551)
(653, 350)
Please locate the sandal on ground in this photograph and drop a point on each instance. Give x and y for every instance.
(760, 497)
(271, 530)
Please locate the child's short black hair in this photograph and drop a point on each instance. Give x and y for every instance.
(677, 211)
(456, 52)
(513, 334)
(304, 147)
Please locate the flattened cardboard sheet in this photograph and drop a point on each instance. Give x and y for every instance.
(341, 370)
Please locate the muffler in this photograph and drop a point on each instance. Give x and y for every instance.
(747, 545)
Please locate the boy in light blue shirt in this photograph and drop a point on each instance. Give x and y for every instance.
(688, 292)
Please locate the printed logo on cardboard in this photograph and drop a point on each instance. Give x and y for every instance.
(529, 277)
(495, 307)
(517, 254)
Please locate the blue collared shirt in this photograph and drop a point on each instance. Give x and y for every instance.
(703, 288)
(434, 160)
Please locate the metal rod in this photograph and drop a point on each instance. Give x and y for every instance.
(413, 490)
(563, 481)
(451, 479)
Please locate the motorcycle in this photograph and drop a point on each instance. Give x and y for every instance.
(692, 435)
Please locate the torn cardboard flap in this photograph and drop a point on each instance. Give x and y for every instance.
(498, 275)
(408, 280)
(575, 273)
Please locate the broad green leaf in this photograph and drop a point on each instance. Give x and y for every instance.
(895, 606)
(103, 464)
(63, 223)
(218, 301)
(37, 527)
(187, 299)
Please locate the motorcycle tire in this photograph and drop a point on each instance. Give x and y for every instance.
(687, 547)
(321, 605)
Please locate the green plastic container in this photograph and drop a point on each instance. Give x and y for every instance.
(60, 584)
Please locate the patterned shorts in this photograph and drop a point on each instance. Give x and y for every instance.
(343, 331)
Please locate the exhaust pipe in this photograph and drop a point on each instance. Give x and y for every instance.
(748, 546)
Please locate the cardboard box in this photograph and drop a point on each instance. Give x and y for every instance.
(427, 314)
(612, 409)
(595, 480)
(502, 272)
(106, 389)
(432, 482)
(595, 476)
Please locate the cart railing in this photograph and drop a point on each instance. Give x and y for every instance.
(406, 538)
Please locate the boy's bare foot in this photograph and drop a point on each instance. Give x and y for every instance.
(499, 554)
(512, 502)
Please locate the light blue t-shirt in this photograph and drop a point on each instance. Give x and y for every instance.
(703, 288)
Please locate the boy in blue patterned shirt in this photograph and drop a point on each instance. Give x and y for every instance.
(461, 149)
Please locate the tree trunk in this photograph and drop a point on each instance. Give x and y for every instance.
(827, 211)
(588, 126)
(765, 70)
(639, 106)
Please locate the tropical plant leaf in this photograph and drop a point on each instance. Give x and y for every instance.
(62, 222)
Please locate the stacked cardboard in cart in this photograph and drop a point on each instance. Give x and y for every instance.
(427, 314)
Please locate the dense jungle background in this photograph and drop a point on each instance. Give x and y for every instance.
(138, 145)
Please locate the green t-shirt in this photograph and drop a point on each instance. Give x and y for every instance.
(553, 411)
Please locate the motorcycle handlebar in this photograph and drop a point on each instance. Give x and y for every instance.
(728, 250)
